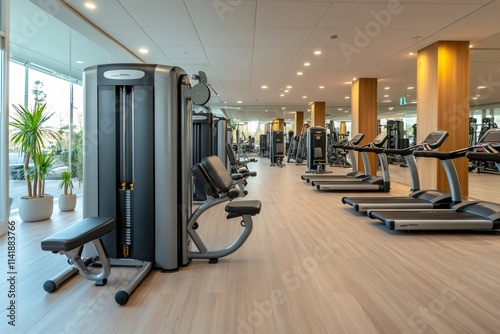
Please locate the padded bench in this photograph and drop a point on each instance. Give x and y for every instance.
(70, 242)
(78, 234)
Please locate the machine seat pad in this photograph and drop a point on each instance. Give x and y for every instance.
(237, 176)
(78, 234)
(239, 208)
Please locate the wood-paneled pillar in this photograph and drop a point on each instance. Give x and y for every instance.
(318, 113)
(443, 80)
(364, 114)
(299, 122)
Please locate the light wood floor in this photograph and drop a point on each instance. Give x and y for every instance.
(311, 265)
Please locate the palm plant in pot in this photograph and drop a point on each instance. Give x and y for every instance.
(67, 201)
(29, 136)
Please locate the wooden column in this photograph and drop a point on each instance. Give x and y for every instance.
(443, 80)
(299, 122)
(364, 114)
(278, 124)
(318, 113)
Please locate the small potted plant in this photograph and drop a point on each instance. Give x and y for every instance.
(67, 201)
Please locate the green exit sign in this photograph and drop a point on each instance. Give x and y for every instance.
(402, 101)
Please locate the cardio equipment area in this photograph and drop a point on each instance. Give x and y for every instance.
(138, 172)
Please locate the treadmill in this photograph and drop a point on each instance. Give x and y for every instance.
(477, 215)
(370, 183)
(349, 147)
(418, 199)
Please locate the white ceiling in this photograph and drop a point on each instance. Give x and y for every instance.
(245, 44)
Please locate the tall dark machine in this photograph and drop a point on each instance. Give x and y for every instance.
(138, 158)
(316, 149)
(203, 145)
(277, 147)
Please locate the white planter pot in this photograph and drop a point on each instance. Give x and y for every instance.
(67, 202)
(36, 209)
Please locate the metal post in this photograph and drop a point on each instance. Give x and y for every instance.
(4, 116)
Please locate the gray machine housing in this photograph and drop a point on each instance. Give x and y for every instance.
(137, 159)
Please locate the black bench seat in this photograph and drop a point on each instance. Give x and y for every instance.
(78, 234)
(240, 208)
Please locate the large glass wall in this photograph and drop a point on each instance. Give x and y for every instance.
(47, 60)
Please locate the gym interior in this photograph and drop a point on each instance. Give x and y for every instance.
(217, 190)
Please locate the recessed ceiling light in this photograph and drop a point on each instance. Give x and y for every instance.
(481, 87)
(80, 62)
(263, 87)
(299, 73)
(307, 64)
(239, 101)
(411, 53)
(321, 87)
(354, 79)
(386, 88)
(283, 108)
(282, 95)
(317, 52)
(346, 111)
(347, 97)
(289, 87)
(286, 90)
(386, 101)
(386, 95)
(90, 5)
(304, 97)
(411, 87)
(391, 108)
(340, 109)
(143, 50)
(474, 98)
(470, 46)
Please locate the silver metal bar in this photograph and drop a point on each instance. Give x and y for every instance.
(123, 142)
(230, 249)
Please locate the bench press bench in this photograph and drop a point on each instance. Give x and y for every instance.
(71, 242)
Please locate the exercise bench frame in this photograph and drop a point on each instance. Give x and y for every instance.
(71, 242)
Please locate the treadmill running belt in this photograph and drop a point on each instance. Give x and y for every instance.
(431, 220)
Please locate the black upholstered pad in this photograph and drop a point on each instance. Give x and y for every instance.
(244, 207)
(78, 234)
(217, 173)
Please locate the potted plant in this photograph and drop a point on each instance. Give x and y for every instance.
(67, 201)
(30, 133)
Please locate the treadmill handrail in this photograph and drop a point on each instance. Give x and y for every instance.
(441, 155)
(370, 149)
(483, 156)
